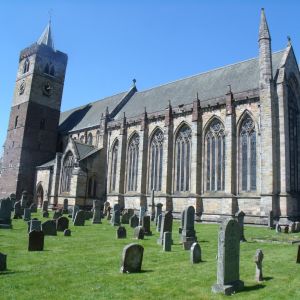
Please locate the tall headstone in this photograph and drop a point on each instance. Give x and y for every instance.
(5, 213)
(141, 214)
(27, 214)
(181, 221)
(79, 218)
(152, 206)
(166, 226)
(195, 253)
(116, 215)
(36, 241)
(259, 256)
(146, 224)
(65, 206)
(167, 241)
(18, 210)
(228, 268)
(33, 208)
(106, 205)
(271, 219)
(75, 210)
(13, 200)
(45, 205)
(62, 223)
(49, 227)
(35, 225)
(134, 221)
(188, 231)
(3, 265)
(121, 232)
(108, 215)
(24, 199)
(240, 218)
(96, 212)
(139, 233)
(158, 225)
(158, 211)
(132, 258)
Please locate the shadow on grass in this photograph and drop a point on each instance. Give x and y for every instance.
(146, 271)
(9, 272)
(267, 278)
(252, 288)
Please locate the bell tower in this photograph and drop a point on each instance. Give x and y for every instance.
(34, 117)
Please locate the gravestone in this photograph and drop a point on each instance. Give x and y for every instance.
(75, 210)
(167, 242)
(115, 219)
(62, 223)
(27, 214)
(166, 226)
(292, 227)
(181, 221)
(45, 206)
(286, 229)
(67, 232)
(240, 218)
(106, 205)
(158, 211)
(65, 206)
(228, 273)
(259, 256)
(45, 214)
(5, 214)
(195, 253)
(130, 212)
(36, 241)
(188, 234)
(121, 232)
(132, 258)
(79, 218)
(139, 233)
(24, 199)
(3, 265)
(158, 225)
(13, 200)
(278, 228)
(33, 208)
(298, 255)
(88, 215)
(271, 219)
(97, 212)
(297, 224)
(146, 225)
(108, 215)
(18, 210)
(152, 206)
(125, 217)
(35, 225)
(141, 214)
(134, 221)
(49, 227)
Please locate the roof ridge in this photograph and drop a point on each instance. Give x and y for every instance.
(205, 72)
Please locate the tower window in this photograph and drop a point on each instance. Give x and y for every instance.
(52, 71)
(42, 124)
(49, 69)
(16, 121)
(90, 139)
(26, 66)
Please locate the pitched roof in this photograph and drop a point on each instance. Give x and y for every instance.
(47, 165)
(87, 115)
(242, 76)
(83, 149)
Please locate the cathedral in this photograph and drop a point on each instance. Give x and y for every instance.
(223, 141)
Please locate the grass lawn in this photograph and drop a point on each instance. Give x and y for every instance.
(87, 266)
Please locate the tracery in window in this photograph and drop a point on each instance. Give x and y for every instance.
(66, 175)
(26, 66)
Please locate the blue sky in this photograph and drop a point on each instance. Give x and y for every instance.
(111, 42)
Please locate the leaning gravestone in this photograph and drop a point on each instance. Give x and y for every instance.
(75, 210)
(195, 253)
(27, 214)
(45, 206)
(259, 256)
(158, 225)
(24, 199)
(3, 265)
(35, 225)
(36, 241)
(240, 218)
(18, 210)
(5, 214)
(65, 206)
(49, 227)
(146, 225)
(97, 212)
(139, 233)
(188, 233)
(167, 243)
(115, 220)
(166, 226)
(134, 221)
(79, 218)
(132, 258)
(158, 212)
(228, 273)
(121, 232)
(62, 223)
(33, 208)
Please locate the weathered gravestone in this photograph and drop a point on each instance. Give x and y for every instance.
(181, 221)
(292, 227)
(65, 206)
(108, 215)
(24, 199)
(152, 206)
(166, 226)
(36, 241)
(195, 253)
(45, 206)
(18, 210)
(67, 232)
(141, 214)
(278, 228)
(228, 267)
(158, 211)
(146, 225)
(132, 258)
(79, 218)
(57, 214)
(259, 256)
(115, 219)
(5, 214)
(125, 217)
(45, 214)
(106, 205)
(97, 212)
(27, 214)
(158, 225)
(134, 221)
(3, 265)
(121, 232)
(62, 223)
(49, 227)
(271, 219)
(33, 208)
(188, 234)
(35, 225)
(167, 242)
(139, 233)
(75, 210)
(240, 218)
(12, 198)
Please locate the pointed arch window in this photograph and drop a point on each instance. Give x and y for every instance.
(132, 162)
(156, 161)
(247, 151)
(215, 156)
(90, 139)
(97, 137)
(16, 121)
(26, 66)
(183, 159)
(66, 175)
(114, 161)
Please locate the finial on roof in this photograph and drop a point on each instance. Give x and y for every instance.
(289, 40)
(264, 32)
(124, 116)
(197, 96)
(228, 88)
(134, 82)
(46, 37)
(106, 111)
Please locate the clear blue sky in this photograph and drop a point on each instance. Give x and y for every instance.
(111, 42)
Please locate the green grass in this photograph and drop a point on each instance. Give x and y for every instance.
(87, 266)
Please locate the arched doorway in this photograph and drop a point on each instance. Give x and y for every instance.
(40, 195)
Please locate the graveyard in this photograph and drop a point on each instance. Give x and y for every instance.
(86, 264)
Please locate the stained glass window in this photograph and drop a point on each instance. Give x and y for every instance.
(132, 162)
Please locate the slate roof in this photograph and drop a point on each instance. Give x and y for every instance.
(242, 76)
(83, 149)
(87, 115)
(47, 165)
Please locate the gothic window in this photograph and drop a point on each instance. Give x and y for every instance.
(132, 162)
(82, 139)
(90, 139)
(215, 156)
(156, 160)
(183, 159)
(26, 66)
(16, 121)
(97, 137)
(113, 171)
(247, 152)
(66, 175)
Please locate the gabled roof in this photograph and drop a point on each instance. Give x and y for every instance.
(242, 76)
(47, 165)
(83, 149)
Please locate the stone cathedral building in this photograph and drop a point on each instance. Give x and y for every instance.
(223, 140)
